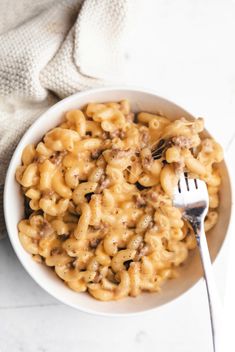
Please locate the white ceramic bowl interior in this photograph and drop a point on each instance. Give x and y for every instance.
(190, 272)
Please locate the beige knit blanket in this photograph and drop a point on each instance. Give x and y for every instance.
(71, 46)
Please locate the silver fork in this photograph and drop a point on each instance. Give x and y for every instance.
(192, 196)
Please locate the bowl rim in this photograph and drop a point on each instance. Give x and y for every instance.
(6, 211)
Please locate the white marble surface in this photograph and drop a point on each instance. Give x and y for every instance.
(183, 50)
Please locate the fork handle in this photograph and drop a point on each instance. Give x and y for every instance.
(214, 301)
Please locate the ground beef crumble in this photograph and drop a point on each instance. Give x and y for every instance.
(142, 251)
(97, 278)
(47, 193)
(94, 242)
(45, 228)
(179, 168)
(117, 134)
(95, 154)
(182, 142)
(57, 157)
(57, 251)
(144, 137)
(140, 201)
(103, 183)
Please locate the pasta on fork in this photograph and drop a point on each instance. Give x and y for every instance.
(98, 197)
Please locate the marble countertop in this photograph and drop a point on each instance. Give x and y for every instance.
(182, 50)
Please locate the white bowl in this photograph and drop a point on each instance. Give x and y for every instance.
(190, 272)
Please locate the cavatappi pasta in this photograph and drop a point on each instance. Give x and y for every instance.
(98, 205)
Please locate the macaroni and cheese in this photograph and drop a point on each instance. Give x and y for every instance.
(98, 197)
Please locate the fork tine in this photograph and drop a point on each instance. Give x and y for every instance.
(188, 184)
(179, 188)
(183, 184)
(192, 185)
(186, 180)
(201, 185)
(188, 197)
